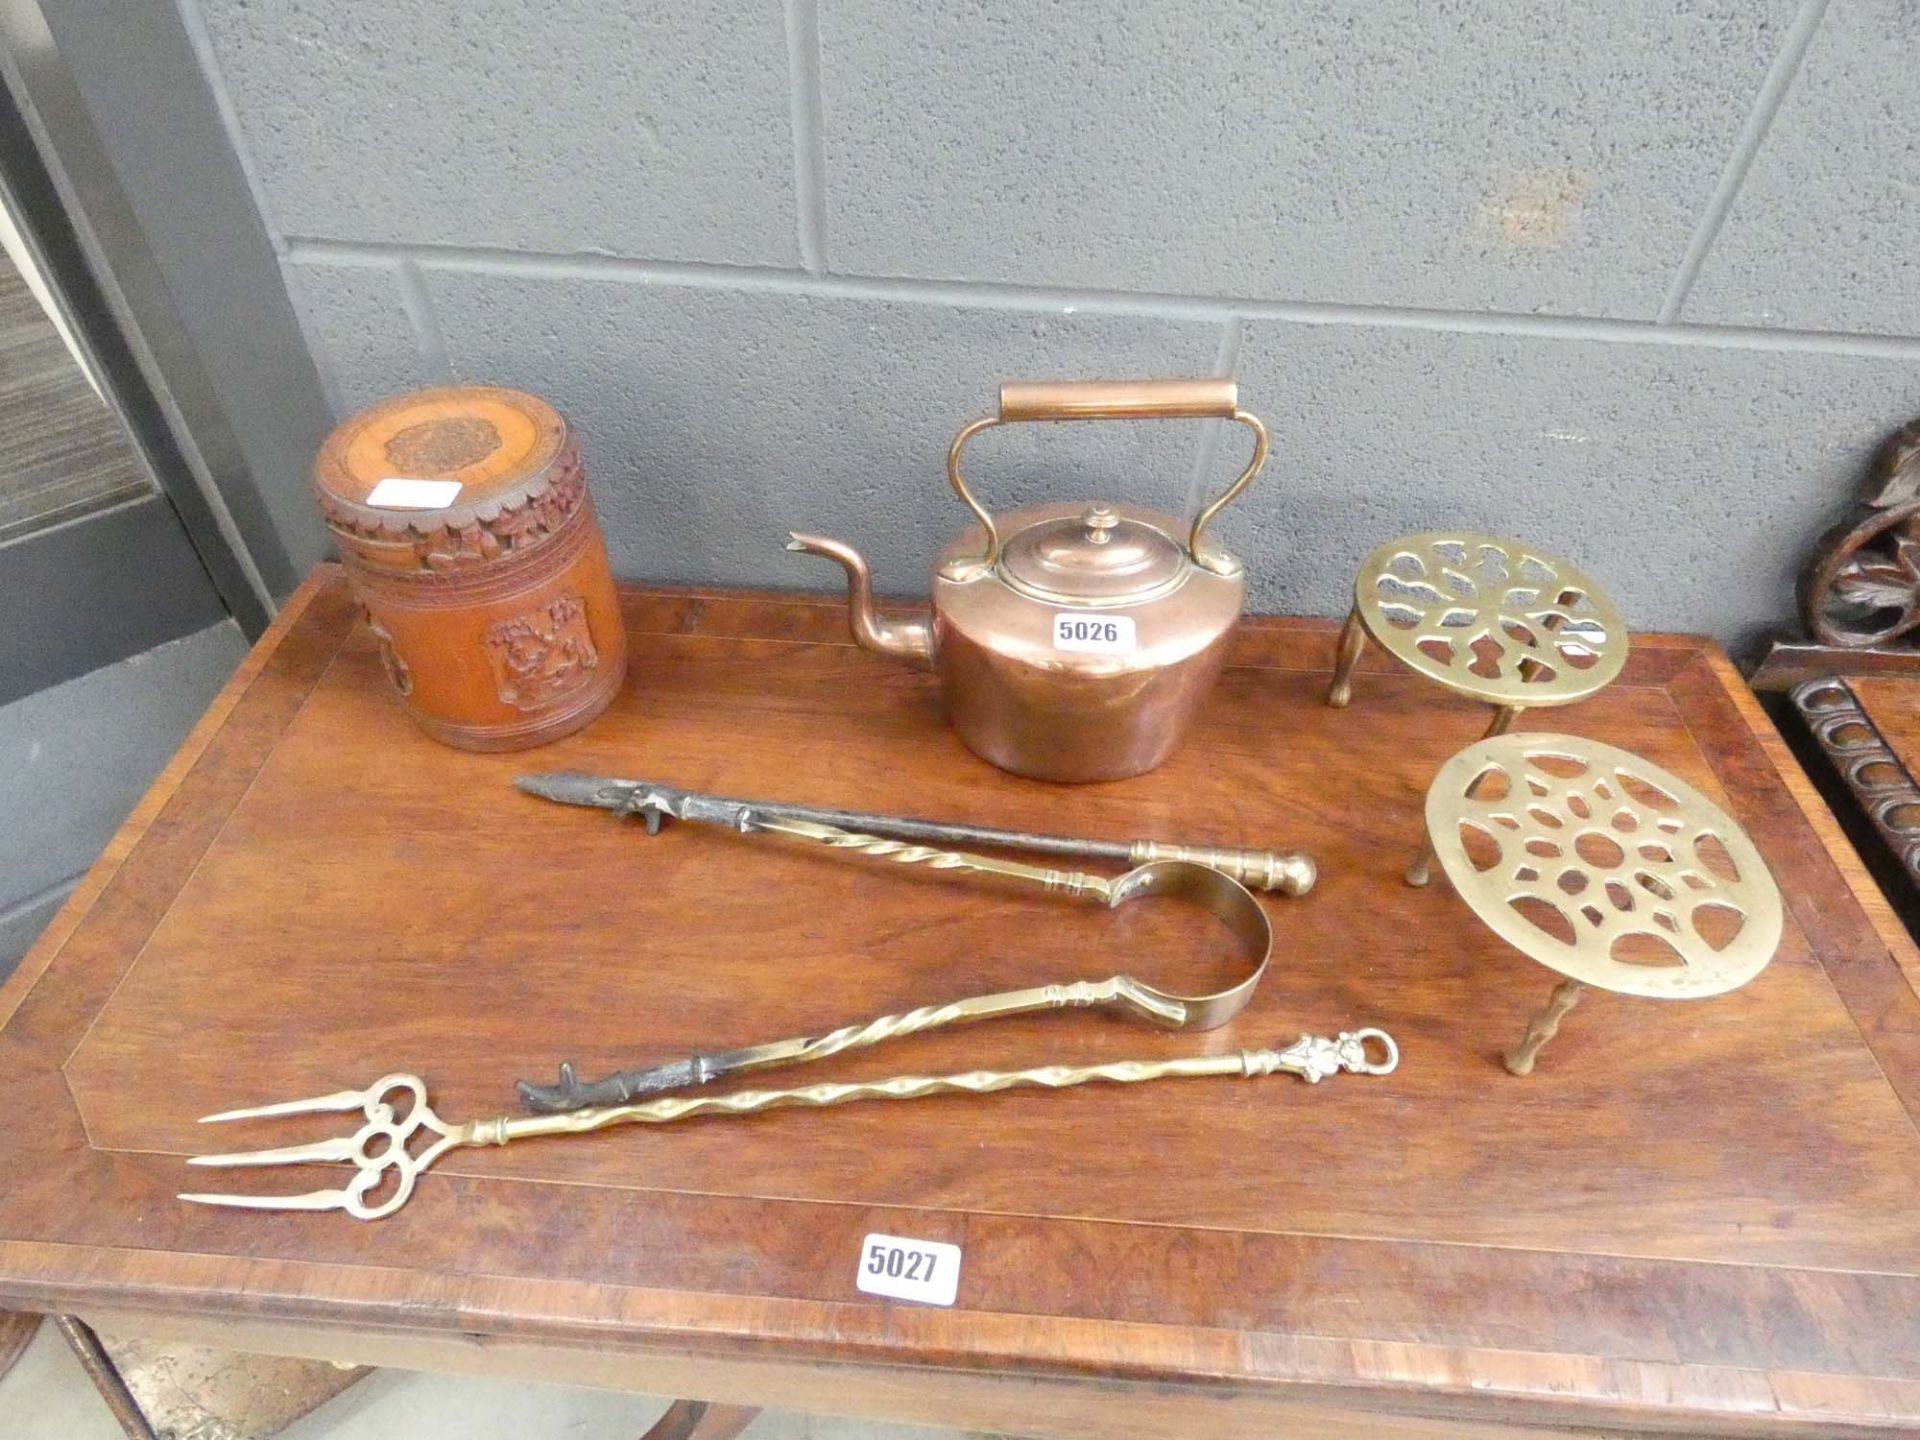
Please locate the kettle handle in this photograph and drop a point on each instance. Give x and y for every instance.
(1115, 400)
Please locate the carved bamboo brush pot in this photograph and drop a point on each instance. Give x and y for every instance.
(463, 519)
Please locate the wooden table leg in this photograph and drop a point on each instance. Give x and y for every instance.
(702, 1420)
(106, 1377)
(17, 1330)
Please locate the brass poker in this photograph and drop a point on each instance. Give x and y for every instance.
(1291, 872)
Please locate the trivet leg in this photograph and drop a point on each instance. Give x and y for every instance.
(1421, 870)
(702, 1420)
(1544, 1027)
(106, 1377)
(1502, 721)
(1353, 639)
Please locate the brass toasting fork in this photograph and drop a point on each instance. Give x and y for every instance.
(396, 1110)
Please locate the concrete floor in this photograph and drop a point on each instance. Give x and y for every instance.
(47, 1397)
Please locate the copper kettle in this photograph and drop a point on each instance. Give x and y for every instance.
(1074, 642)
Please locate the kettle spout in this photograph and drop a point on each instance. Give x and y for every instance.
(909, 640)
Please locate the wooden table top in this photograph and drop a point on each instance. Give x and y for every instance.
(1693, 1215)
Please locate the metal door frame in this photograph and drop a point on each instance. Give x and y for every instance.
(90, 590)
(174, 383)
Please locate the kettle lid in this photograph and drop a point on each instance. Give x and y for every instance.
(1099, 554)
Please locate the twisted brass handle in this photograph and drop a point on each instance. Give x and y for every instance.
(573, 1093)
(1312, 1058)
(1075, 884)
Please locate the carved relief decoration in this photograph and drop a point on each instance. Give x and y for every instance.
(447, 540)
(543, 655)
(1863, 586)
(397, 672)
(1873, 772)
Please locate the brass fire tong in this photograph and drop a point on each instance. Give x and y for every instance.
(1212, 889)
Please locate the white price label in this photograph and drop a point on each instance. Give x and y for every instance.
(396, 492)
(1093, 634)
(923, 1270)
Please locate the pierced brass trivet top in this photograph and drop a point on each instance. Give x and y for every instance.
(1604, 867)
(1493, 619)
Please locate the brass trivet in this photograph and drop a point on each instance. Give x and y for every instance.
(1491, 619)
(1613, 872)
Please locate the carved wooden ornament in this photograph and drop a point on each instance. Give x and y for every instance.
(1863, 585)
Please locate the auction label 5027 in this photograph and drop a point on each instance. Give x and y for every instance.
(903, 1269)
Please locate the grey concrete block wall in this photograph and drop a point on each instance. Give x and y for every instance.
(1823, 235)
(660, 129)
(1689, 476)
(1555, 270)
(852, 404)
(1492, 156)
(358, 321)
